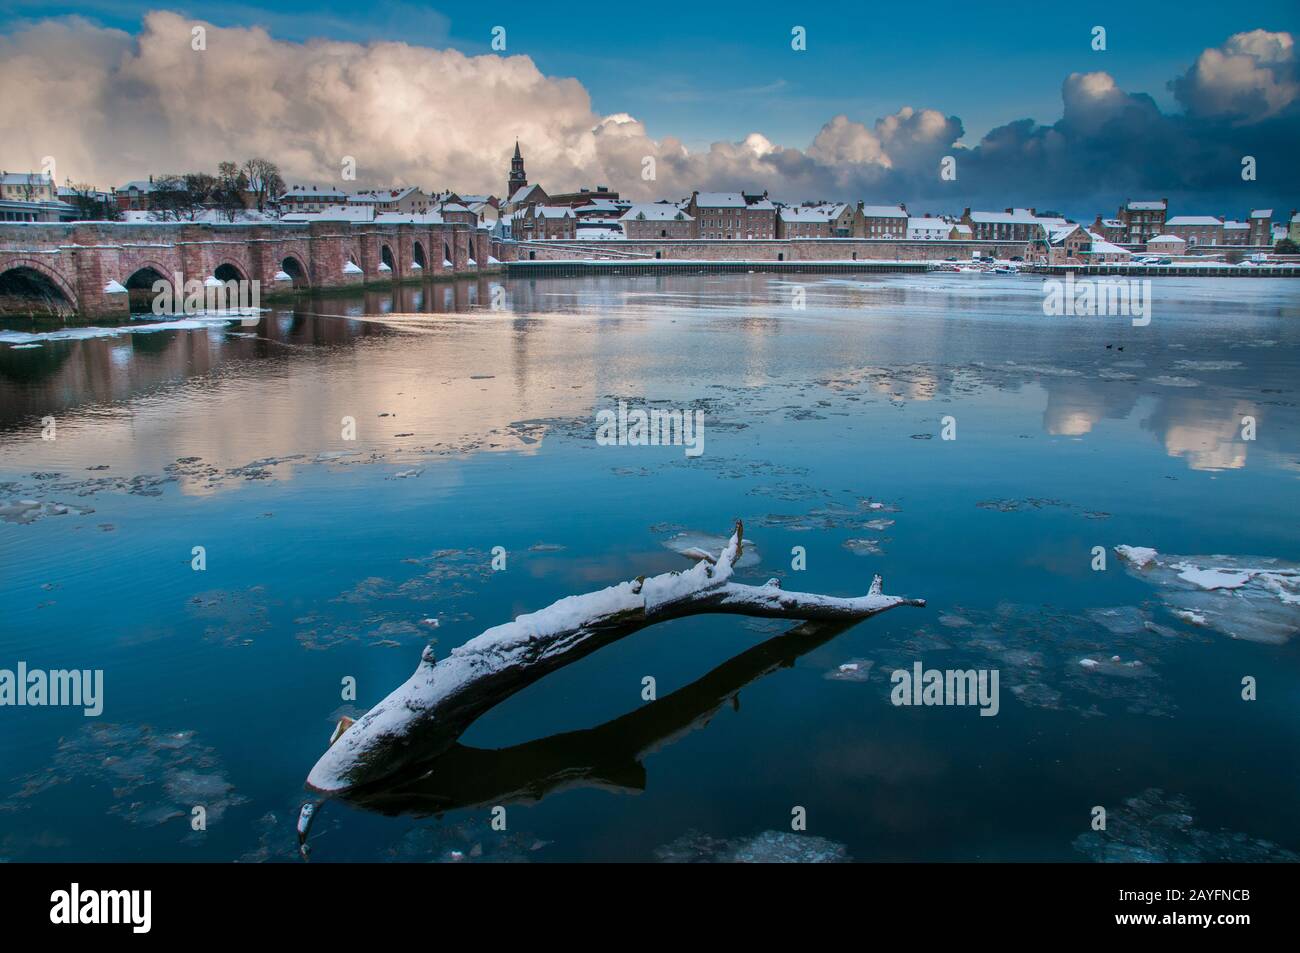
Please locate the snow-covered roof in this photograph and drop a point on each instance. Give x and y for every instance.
(1102, 247)
(334, 213)
(1060, 233)
(1295, 217)
(368, 196)
(1112, 223)
(598, 206)
(929, 224)
(1261, 213)
(522, 193)
(805, 214)
(138, 185)
(1019, 216)
(1235, 226)
(1194, 220)
(25, 178)
(656, 212)
(720, 200)
(1146, 206)
(1166, 238)
(416, 218)
(454, 207)
(313, 192)
(555, 211)
(883, 211)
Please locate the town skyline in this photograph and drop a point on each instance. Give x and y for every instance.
(388, 107)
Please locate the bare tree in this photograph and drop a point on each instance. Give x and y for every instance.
(169, 199)
(93, 205)
(264, 181)
(232, 183)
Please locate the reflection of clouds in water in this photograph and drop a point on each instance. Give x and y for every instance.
(1206, 433)
(1075, 406)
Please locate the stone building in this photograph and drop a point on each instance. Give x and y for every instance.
(1143, 220)
(1015, 224)
(656, 220)
(410, 200)
(1236, 233)
(803, 222)
(732, 215)
(311, 198)
(880, 221)
(1261, 227)
(1166, 245)
(928, 228)
(1196, 229)
(1068, 245)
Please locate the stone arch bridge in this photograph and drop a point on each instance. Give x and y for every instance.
(90, 268)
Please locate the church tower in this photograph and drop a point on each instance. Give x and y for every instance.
(518, 178)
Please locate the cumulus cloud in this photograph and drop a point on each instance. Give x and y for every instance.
(1252, 76)
(115, 106)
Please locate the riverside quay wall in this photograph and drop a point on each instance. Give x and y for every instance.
(772, 250)
(91, 269)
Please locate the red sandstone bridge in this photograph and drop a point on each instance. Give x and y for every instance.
(82, 268)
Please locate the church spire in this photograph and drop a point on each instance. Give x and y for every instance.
(518, 177)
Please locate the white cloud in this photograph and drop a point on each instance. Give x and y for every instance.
(1252, 76)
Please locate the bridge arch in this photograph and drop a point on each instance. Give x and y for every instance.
(447, 256)
(26, 279)
(229, 271)
(386, 257)
(295, 269)
(417, 252)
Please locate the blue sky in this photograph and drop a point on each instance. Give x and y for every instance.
(705, 72)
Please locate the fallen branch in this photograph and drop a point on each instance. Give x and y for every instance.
(424, 716)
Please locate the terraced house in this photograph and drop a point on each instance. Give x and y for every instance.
(1143, 220)
(880, 221)
(732, 215)
(656, 220)
(1196, 229)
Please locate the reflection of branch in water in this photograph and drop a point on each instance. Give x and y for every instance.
(423, 718)
(607, 757)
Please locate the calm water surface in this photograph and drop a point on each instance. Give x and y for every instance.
(474, 429)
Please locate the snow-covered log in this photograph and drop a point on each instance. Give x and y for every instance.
(609, 757)
(425, 715)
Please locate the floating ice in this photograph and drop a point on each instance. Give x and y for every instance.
(692, 544)
(1244, 597)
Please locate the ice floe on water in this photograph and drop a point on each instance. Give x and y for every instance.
(195, 323)
(151, 777)
(1153, 829)
(1093, 663)
(769, 847)
(693, 544)
(1244, 597)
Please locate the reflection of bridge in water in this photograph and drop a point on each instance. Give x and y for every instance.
(92, 269)
(65, 375)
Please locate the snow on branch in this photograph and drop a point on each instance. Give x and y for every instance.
(426, 714)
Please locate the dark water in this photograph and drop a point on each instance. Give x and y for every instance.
(474, 429)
